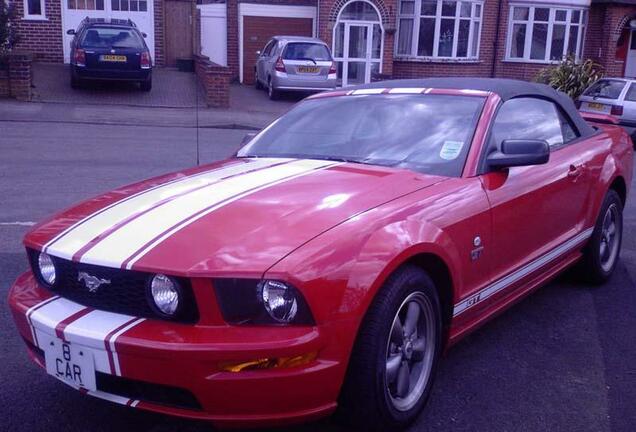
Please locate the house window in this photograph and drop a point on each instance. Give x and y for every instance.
(86, 4)
(130, 5)
(34, 9)
(439, 29)
(545, 34)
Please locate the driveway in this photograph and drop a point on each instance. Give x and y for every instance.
(170, 89)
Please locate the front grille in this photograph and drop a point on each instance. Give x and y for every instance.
(148, 392)
(127, 292)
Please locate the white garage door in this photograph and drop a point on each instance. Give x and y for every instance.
(140, 11)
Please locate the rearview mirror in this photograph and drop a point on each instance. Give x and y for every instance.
(247, 138)
(70, 32)
(520, 152)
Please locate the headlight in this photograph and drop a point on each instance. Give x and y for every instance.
(253, 301)
(165, 294)
(46, 267)
(279, 300)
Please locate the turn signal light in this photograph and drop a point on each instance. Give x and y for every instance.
(269, 363)
(617, 110)
(80, 57)
(332, 68)
(145, 60)
(280, 66)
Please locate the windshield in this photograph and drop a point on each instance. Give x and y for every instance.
(607, 89)
(426, 133)
(306, 51)
(104, 37)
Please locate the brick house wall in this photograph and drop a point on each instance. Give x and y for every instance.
(42, 38)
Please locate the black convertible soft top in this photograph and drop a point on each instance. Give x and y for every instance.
(505, 88)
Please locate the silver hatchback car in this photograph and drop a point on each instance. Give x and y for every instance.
(294, 63)
(615, 96)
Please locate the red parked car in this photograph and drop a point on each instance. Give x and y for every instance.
(332, 261)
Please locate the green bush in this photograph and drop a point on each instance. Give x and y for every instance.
(569, 76)
(8, 36)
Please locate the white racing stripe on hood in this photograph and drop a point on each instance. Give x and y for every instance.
(74, 238)
(139, 235)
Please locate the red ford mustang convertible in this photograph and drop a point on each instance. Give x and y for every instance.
(332, 261)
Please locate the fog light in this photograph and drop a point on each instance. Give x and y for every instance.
(269, 363)
(46, 268)
(279, 300)
(165, 294)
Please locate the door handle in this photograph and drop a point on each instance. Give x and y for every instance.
(575, 171)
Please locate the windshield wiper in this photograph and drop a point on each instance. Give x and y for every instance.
(307, 58)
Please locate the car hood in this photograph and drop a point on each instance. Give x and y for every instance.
(237, 217)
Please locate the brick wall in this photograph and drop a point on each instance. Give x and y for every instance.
(215, 80)
(43, 38)
(159, 33)
(16, 76)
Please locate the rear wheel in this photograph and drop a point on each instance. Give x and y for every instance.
(394, 360)
(271, 91)
(146, 85)
(75, 82)
(600, 255)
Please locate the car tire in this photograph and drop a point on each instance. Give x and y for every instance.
(75, 82)
(146, 85)
(257, 83)
(602, 251)
(271, 91)
(376, 395)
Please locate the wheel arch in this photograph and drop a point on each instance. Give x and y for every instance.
(618, 184)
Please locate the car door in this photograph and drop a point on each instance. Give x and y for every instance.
(260, 62)
(536, 209)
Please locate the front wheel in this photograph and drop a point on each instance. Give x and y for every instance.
(395, 356)
(257, 83)
(600, 255)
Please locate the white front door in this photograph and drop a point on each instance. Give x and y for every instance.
(357, 51)
(139, 11)
(630, 65)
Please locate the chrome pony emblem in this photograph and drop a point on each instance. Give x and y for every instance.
(91, 282)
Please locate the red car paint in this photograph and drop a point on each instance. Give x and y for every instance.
(335, 233)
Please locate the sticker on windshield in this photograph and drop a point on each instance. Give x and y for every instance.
(451, 149)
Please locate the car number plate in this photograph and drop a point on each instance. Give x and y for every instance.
(596, 106)
(71, 364)
(112, 58)
(307, 69)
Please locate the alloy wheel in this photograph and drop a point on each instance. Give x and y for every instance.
(610, 238)
(410, 351)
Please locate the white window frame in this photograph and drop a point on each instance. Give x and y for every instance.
(28, 16)
(417, 16)
(529, 23)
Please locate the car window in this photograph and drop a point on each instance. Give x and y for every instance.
(606, 89)
(104, 37)
(304, 51)
(426, 133)
(567, 128)
(631, 92)
(527, 118)
(268, 48)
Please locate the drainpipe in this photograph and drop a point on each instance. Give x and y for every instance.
(318, 19)
(496, 44)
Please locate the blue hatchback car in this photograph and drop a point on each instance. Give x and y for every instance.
(112, 49)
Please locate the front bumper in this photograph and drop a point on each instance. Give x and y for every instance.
(137, 359)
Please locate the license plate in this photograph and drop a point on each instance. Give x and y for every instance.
(71, 364)
(112, 58)
(596, 106)
(307, 69)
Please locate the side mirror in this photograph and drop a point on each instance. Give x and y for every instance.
(258, 53)
(519, 152)
(144, 35)
(70, 32)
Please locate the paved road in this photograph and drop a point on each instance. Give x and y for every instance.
(562, 360)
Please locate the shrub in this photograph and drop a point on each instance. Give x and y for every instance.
(569, 76)
(8, 36)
